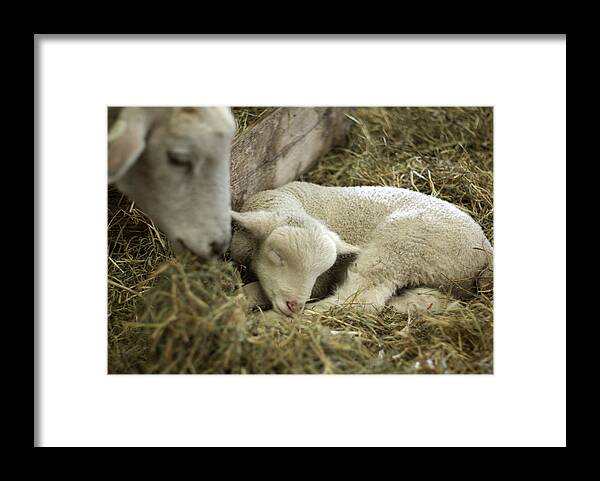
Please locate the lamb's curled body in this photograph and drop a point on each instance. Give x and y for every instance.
(406, 240)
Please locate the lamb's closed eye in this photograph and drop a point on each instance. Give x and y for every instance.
(275, 258)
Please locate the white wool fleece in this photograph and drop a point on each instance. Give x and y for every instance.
(401, 239)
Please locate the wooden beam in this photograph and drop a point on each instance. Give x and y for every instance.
(282, 146)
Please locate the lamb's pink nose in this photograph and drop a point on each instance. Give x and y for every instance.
(293, 306)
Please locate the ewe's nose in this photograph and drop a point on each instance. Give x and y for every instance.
(294, 306)
(213, 250)
(218, 248)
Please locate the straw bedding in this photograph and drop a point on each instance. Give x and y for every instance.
(178, 315)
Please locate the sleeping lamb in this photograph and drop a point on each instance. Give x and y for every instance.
(370, 246)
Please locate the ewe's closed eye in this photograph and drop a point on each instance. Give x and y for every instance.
(177, 159)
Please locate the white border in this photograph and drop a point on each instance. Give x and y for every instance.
(523, 403)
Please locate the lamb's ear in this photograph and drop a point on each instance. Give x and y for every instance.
(341, 246)
(258, 223)
(126, 141)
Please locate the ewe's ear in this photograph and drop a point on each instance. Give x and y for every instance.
(258, 223)
(126, 141)
(341, 246)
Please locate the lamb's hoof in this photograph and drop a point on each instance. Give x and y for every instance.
(319, 307)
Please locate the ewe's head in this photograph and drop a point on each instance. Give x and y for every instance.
(289, 258)
(174, 163)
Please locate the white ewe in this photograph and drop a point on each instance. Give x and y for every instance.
(371, 246)
(174, 163)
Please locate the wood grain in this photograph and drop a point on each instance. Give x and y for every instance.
(282, 146)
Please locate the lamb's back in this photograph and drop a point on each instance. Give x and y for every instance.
(355, 213)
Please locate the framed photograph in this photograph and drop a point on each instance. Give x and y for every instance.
(233, 231)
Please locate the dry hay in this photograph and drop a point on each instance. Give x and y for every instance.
(175, 315)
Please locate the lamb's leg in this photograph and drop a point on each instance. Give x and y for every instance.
(422, 299)
(359, 291)
(255, 295)
(370, 281)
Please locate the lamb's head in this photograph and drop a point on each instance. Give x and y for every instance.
(174, 163)
(290, 256)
